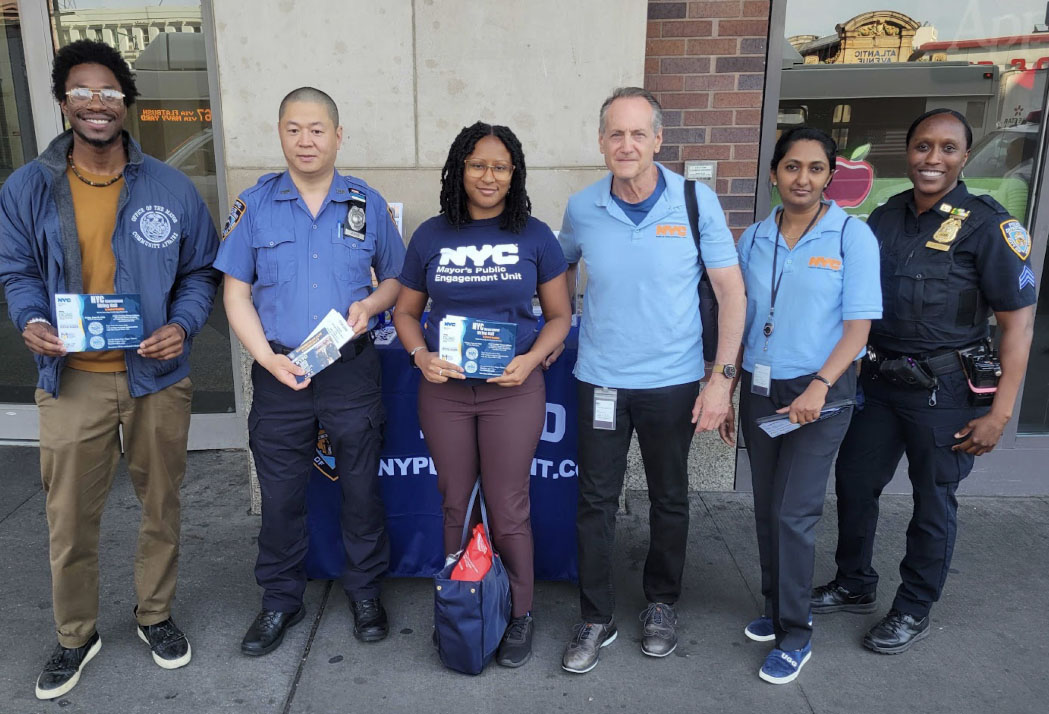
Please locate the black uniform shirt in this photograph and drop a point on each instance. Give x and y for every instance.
(941, 299)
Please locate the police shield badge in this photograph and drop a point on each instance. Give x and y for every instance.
(1017, 238)
(945, 234)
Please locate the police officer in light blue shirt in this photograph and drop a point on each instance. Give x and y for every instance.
(812, 290)
(296, 246)
(641, 359)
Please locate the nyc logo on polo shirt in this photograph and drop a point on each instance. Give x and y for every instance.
(671, 230)
(822, 263)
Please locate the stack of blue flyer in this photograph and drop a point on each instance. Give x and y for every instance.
(482, 348)
(322, 346)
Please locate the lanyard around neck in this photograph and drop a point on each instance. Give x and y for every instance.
(770, 325)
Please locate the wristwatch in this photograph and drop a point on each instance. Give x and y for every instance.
(729, 370)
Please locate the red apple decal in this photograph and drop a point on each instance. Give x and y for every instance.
(853, 179)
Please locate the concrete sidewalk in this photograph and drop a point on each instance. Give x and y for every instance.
(987, 652)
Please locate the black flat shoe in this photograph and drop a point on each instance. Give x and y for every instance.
(896, 633)
(370, 623)
(834, 598)
(267, 632)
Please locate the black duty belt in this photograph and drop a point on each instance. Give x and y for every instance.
(936, 363)
(349, 351)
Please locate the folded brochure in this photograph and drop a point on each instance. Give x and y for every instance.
(779, 424)
(483, 348)
(321, 347)
(93, 322)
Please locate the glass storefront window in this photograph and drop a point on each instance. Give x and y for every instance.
(17, 146)
(172, 120)
(863, 71)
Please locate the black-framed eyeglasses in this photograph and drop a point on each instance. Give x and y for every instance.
(83, 95)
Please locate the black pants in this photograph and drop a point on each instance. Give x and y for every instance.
(346, 399)
(789, 475)
(894, 421)
(662, 418)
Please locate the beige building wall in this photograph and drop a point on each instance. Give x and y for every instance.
(409, 74)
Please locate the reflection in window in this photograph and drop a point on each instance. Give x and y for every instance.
(863, 76)
(172, 120)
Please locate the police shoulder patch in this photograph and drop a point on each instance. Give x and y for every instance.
(1016, 237)
(236, 212)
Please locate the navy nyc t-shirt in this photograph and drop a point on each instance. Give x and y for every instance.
(479, 270)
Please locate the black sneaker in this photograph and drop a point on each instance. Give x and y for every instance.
(62, 671)
(896, 632)
(170, 647)
(834, 598)
(516, 647)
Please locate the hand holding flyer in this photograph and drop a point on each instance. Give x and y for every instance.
(321, 347)
(89, 323)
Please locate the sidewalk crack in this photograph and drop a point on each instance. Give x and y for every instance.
(306, 651)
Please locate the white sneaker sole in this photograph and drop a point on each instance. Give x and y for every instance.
(597, 659)
(789, 678)
(758, 638)
(59, 691)
(656, 654)
(167, 663)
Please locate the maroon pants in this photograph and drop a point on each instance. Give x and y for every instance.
(473, 427)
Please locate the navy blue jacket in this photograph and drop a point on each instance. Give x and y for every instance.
(164, 243)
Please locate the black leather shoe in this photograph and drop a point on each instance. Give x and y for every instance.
(834, 598)
(369, 620)
(896, 632)
(267, 632)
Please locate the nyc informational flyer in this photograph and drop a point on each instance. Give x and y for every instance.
(322, 346)
(89, 323)
(482, 348)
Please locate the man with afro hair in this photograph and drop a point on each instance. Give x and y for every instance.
(93, 215)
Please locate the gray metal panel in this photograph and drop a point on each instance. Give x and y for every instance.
(910, 79)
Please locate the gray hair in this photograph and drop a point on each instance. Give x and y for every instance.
(625, 93)
(310, 94)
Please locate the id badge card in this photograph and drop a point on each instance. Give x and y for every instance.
(762, 381)
(605, 408)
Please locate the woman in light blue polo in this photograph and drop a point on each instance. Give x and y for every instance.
(812, 277)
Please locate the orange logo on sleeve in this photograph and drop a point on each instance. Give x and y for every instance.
(667, 229)
(824, 263)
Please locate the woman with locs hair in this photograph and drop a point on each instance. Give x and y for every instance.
(487, 426)
(811, 273)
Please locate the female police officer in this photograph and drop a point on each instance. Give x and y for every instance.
(812, 291)
(948, 258)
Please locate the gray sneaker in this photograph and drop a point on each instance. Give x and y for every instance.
(581, 654)
(658, 636)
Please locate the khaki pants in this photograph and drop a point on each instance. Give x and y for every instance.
(79, 449)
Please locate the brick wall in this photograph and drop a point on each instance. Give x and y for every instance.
(705, 63)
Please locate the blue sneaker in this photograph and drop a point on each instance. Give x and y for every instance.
(783, 666)
(761, 630)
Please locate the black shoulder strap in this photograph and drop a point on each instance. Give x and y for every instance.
(841, 238)
(692, 208)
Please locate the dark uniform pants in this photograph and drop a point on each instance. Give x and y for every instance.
(346, 399)
(897, 420)
(662, 417)
(789, 475)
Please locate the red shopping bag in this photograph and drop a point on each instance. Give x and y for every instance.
(476, 559)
